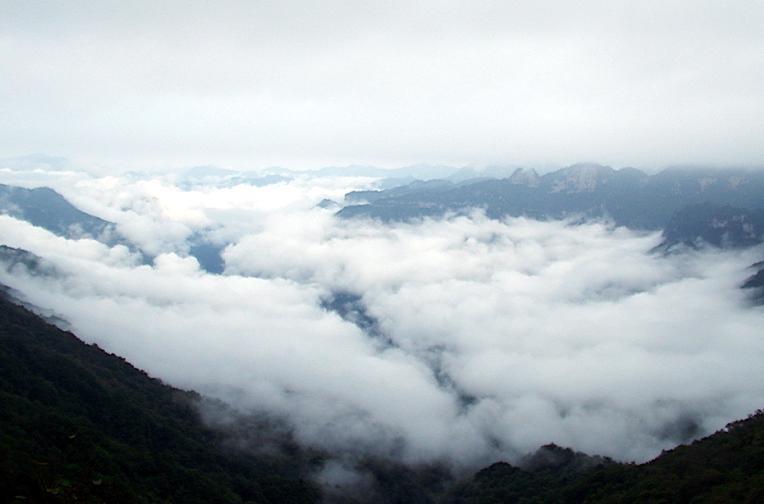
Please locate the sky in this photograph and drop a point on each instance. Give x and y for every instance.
(119, 85)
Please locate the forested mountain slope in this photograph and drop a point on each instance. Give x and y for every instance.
(80, 425)
(727, 466)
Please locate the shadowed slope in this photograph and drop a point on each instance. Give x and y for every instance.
(79, 424)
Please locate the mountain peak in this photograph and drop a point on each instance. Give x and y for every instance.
(581, 177)
(525, 176)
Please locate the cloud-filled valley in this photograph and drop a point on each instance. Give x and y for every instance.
(461, 339)
(378, 252)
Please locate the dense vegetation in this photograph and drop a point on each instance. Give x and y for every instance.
(80, 425)
(725, 467)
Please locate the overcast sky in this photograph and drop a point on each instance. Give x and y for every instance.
(144, 84)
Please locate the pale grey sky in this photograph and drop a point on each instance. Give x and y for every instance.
(145, 84)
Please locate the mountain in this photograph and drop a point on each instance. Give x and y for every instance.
(755, 283)
(413, 188)
(727, 466)
(526, 177)
(722, 226)
(47, 209)
(220, 177)
(627, 196)
(419, 171)
(11, 258)
(80, 425)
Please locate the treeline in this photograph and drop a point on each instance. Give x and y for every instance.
(80, 425)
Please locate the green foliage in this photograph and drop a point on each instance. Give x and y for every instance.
(725, 467)
(80, 425)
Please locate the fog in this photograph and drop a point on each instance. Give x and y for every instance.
(462, 340)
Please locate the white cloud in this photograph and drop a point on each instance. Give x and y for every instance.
(496, 336)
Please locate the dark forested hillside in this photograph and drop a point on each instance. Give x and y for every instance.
(725, 467)
(80, 425)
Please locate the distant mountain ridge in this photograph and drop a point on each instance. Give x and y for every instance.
(45, 208)
(692, 206)
(628, 196)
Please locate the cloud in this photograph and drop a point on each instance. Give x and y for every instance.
(495, 337)
(311, 83)
(154, 214)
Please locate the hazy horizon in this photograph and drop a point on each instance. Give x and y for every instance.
(118, 85)
(41, 162)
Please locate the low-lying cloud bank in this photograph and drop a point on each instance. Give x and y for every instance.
(463, 339)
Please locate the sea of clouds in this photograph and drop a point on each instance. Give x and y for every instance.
(483, 339)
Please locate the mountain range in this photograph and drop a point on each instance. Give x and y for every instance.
(693, 207)
(628, 196)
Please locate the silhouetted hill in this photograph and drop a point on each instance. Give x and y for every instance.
(727, 466)
(80, 425)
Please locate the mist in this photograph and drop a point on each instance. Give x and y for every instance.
(461, 340)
